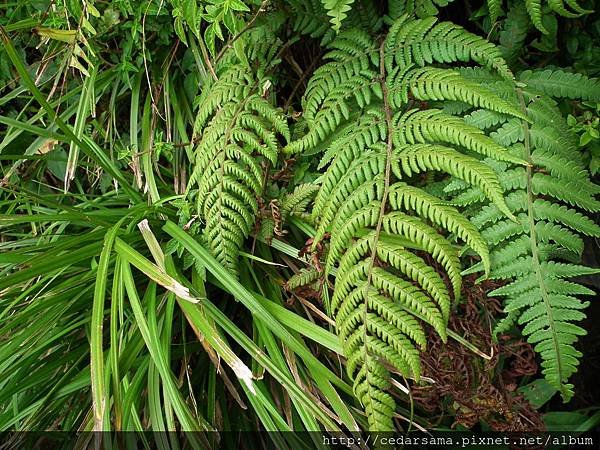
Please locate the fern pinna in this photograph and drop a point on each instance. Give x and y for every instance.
(237, 129)
(362, 109)
(551, 199)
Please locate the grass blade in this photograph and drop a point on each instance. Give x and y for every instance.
(157, 274)
(99, 394)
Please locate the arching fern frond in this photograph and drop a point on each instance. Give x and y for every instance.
(565, 8)
(539, 252)
(425, 41)
(349, 78)
(236, 129)
(360, 108)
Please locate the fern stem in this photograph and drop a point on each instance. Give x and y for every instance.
(386, 189)
(388, 170)
(533, 236)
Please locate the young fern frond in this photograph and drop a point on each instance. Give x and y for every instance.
(551, 198)
(296, 202)
(360, 109)
(237, 129)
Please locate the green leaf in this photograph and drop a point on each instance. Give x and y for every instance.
(538, 392)
(99, 395)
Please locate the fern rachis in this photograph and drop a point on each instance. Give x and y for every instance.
(534, 247)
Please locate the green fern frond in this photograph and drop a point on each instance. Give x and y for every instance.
(575, 6)
(495, 9)
(420, 8)
(303, 278)
(558, 6)
(423, 157)
(297, 201)
(359, 109)
(238, 129)
(549, 198)
(406, 197)
(424, 41)
(573, 193)
(310, 18)
(432, 84)
(371, 381)
(350, 78)
(514, 31)
(325, 18)
(433, 125)
(365, 14)
(484, 119)
(534, 8)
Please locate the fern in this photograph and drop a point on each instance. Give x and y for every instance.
(296, 202)
(534, 8)
(495, 9)
(514, 31)
(236, 129)
(308, 17)
(359, 108)
(338, 10)
(539, 252)
(420, 8)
